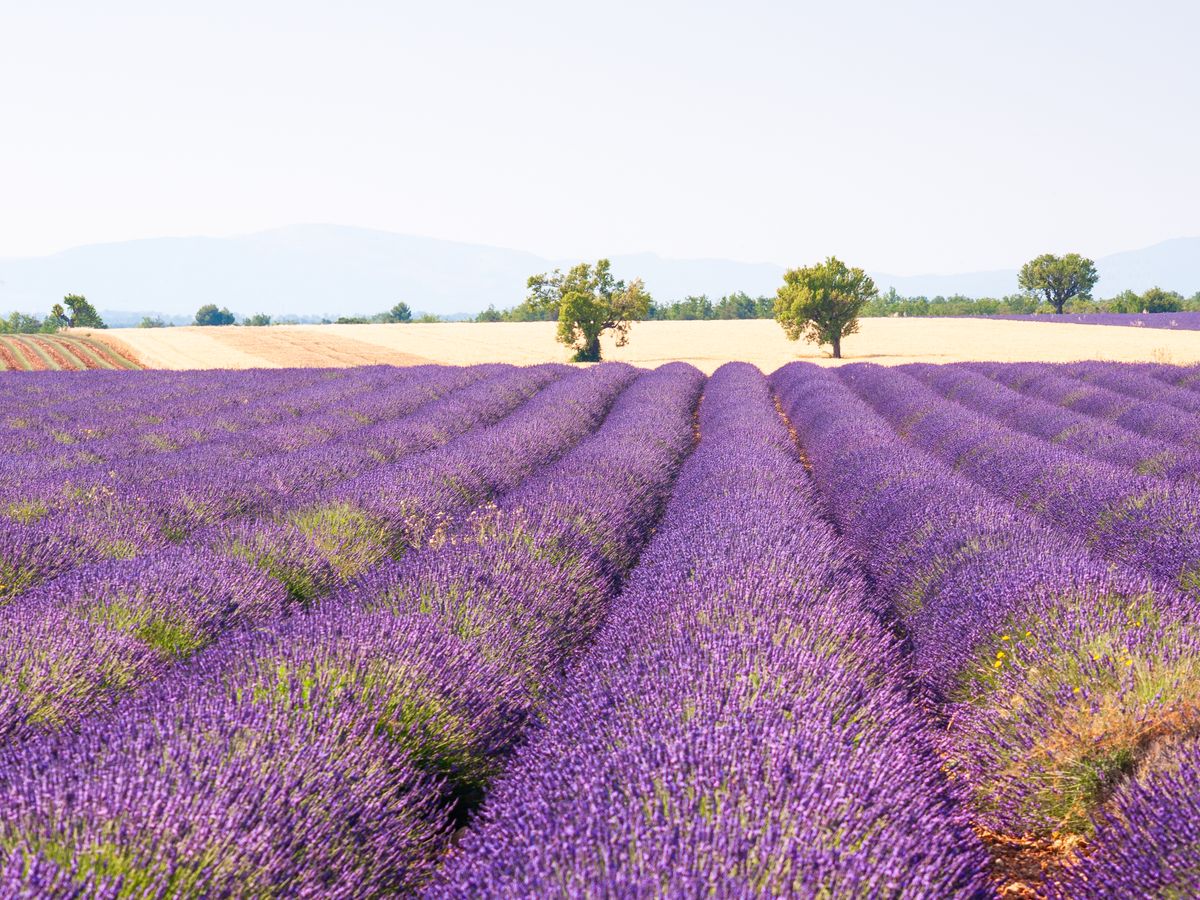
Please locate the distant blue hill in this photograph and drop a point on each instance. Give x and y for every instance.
(329, 270)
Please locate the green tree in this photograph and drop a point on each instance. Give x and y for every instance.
(208, 314)
(1125, 302)
(821, 303)
(258, 320)
(77, 314)
(1158, 300)
(692, 308)
(23, 323)
(588, 301)
(1057, 279)
(738, 305)
(491, 314)
(152, 322)
(398, 313)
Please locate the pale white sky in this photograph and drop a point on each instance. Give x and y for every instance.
(902, 136)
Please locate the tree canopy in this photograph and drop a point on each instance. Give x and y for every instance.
(821, 303)
(208, 314)
(79, 313)
(587, 301)
(1058, 279)
(398, 313)
(24, 323)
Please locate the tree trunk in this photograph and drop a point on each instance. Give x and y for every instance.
(837, 346)
(590, 352)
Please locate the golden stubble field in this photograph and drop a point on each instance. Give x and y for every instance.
(704, 344)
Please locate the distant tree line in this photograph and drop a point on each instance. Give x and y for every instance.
(74, 312)
(212, 315)
(738, 305)
(394, 316)
(1154, 300)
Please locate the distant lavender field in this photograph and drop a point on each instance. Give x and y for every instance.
(1178, 321)
(527, 632)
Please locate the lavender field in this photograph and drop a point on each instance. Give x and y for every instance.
(1176, 321)
(925, 631)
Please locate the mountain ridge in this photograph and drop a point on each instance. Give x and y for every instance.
(332, 270)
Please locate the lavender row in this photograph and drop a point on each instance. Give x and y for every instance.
(1144, 382)
(1058, 424)
(142, 417)
(530, 578)
(130, 506)
(1049, 667)
(86, 638)
(1135, 520)
(1146, 416)
(326, 756)
(41, 493)
(169, 506)
(740, 726)
(383, 512)
(1136, 381)
(1177, 321)
(1177, 376)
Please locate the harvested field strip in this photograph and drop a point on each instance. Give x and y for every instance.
(73, 354)
(88, 357)
(57, 359)
(704, 344)
(94, 353)
(39, 357)
(284, 347)
(11, 358)
(108, 352)
(33, 359)
(28, 352)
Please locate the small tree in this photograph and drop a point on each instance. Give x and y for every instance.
(152, 322)
(821, 303)
(1158, 300)
(77, 314)
(588, 301)
(258, 320)
(738, 305)
(1057, 279)
(398, 313)
(210, 315)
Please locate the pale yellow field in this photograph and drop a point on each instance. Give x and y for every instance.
(704, 344)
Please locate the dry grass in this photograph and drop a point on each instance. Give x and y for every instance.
(704, 344)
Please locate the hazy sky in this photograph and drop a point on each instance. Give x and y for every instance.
(902, 136)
